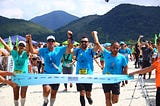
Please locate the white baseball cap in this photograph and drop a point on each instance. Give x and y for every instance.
(50, 37)
(22, 42)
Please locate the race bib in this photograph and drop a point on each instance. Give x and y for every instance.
(83, 71)
(107, 73)
(18, 72)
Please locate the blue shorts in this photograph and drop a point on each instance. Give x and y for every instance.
(114, 88)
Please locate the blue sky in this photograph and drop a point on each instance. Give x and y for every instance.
(27, 9)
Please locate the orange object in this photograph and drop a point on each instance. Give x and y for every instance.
(156, 65)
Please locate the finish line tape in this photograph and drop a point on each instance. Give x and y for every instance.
(38, 79)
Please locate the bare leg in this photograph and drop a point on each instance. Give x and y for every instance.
(23, 94)
(53, 97)
(16, 92)
(108, 99)
(115, 98)
(16, 95)
(46, 91)
(23, 91)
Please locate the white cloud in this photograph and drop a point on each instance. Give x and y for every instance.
(12, 13)
(9, 10)
(28, 9)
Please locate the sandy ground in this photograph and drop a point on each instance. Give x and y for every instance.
(71, 97)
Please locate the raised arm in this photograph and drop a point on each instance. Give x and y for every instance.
(69, 49)
(30, 46)
(139, 40)
(6, 46)
(96, 41)
(27, 46)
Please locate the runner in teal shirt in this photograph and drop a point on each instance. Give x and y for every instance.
(84, 60)
(115, 63)
(20, 58)
(52, 60)
(84, 57)
(20, 61)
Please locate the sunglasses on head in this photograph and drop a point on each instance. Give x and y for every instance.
(21, 44)
(84, 41)
(50, 40)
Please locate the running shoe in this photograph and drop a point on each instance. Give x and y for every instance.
(71, 85)
(65, 90)
(45, 103)
(90, 101)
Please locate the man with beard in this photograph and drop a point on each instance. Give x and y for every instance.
(84, 57)
(115, 63)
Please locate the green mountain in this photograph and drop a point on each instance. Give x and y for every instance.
(124, 22)
(79, 27)
(9, 27)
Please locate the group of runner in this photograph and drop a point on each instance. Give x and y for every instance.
(115, 63)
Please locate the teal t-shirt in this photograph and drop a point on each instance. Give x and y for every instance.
(67, 59)
(114, 64)
(84, 60)
(52, 57)
(20, 61)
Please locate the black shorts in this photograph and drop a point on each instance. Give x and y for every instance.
(82, 86)
(53, 86)
(114, 88)
(158, 97)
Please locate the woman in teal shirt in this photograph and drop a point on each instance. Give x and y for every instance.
(20, 58)
(67, 66)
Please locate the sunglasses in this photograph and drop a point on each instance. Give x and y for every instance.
(34, 58)
(50, 40)
(21, 44)
(84, 41)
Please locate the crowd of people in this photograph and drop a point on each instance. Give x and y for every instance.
(52, 59)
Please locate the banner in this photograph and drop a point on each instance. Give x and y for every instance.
(38, 79)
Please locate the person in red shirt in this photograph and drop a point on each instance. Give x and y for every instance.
(156, 66)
